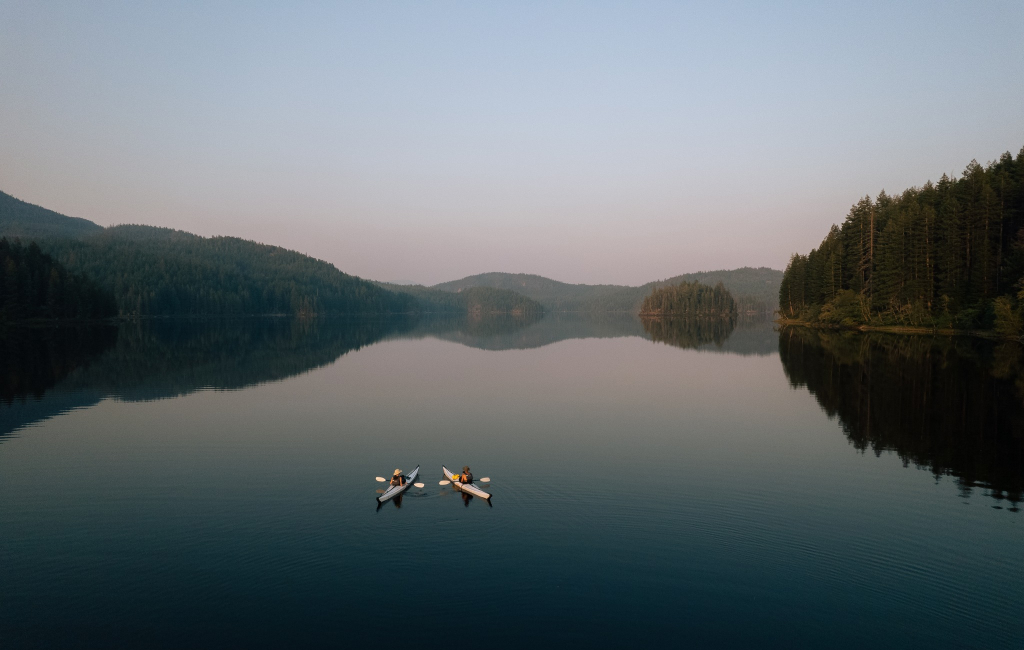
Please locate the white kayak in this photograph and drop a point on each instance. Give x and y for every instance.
(394, 490)
(468, 488)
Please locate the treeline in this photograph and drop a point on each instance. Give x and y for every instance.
(948, 254)
(161, 272)
(34, 286)
(690, 299)
(755, 290)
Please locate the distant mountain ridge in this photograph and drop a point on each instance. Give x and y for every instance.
(755, 289)
(155, 271)
(162, 272)
(474, 300)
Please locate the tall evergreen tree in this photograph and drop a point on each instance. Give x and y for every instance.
(941, 254)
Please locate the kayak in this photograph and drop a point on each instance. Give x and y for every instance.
(394, 490)
(468, 488)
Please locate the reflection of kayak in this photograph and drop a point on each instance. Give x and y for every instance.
(395, 490)
(468, 488)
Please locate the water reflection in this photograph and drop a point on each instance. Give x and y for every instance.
(50, 371)
(689, 332)
(746, 335)
(397, 501)
(953, 406)
(35, 360)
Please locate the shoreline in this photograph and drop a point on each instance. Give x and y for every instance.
(897, 329)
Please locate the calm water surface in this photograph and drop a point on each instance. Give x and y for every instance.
(177, 484)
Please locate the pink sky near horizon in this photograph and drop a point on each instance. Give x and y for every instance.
(598, 143)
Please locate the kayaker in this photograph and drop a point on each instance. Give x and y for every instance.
(466, 476)
(398, 478)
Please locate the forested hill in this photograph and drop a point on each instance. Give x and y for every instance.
(548, 292)
(690, 300)
(34, 286)
(946, 254)
(754, 289)
(27, 221)
(157, 271)
(473, 300)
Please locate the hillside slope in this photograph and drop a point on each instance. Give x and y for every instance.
(161, 272)
(27, 221)
(755, 289)
(472, 300)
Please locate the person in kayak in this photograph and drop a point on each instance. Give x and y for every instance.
(398, 478)
(466, 476)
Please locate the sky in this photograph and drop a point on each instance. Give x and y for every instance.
(592, 142)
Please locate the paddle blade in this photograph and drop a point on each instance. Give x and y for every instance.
(444, 482)
(419, 485)
(381, 479)
(486, 479)
(379, 491)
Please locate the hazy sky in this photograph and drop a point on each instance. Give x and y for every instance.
(426, 141)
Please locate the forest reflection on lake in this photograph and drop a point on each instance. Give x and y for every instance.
(47, 371)
(167, 480)
(953, 406)
(950, 405)
(689, 332)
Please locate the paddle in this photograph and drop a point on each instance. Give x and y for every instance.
(486, 479)
(381, 479)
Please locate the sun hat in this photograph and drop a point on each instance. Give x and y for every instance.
(465, 468)
(397, 472)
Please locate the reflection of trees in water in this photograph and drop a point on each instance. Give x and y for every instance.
(954, 406)
(689, 332)
(161, 358)
(34, 360)
(44, 372)
(47, 372)
(486, 331)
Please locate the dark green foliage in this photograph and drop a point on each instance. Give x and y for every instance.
(755, 290)
(690, 299)
(949, 404)
(472, 300)
(938, 255)
(162, 272)
(34, 286)
(156, 271)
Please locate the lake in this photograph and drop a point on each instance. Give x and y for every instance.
(169, 484)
